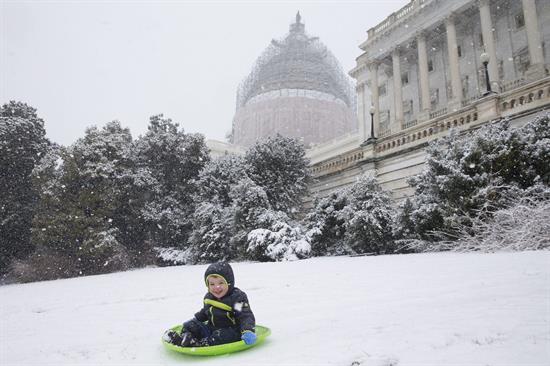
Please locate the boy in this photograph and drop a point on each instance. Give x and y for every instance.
(225, 317)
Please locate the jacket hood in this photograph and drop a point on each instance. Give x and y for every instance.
(222, 269)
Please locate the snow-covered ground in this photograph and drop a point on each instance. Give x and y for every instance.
(422, 309)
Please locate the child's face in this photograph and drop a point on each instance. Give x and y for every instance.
(217, 286)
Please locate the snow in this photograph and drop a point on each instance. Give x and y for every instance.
(416, 309)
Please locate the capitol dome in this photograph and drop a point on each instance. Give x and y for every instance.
(296, 88)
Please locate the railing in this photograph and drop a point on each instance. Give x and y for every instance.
(396, 17)
(410, 124)
(438, 113)
(339, 163)
(533, 96)
(529, 97)
(513, 84)
(470, 100)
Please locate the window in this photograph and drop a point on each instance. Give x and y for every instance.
(382, 90)
(408, 109)
(521, 60)
(465, 86)
(430, 65)
(404, 78)
(519, 20)
(384, 120)
(434, 98)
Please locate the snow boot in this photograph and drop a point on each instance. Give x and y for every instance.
(187, 340)
(173, 337)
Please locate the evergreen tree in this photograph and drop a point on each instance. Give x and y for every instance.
(477, 172)
(355, 219)
(279, 165)
(213, 229)
(174, 160)
(277, 239)
(83, 208)
(22, 145)
(369, 217)
(326, 225)
(249, 203)
(218, 176)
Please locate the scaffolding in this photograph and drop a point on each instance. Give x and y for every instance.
(299, 62)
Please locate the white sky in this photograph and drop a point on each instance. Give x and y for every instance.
(83, 63)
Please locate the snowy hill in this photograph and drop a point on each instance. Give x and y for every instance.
(423, 309)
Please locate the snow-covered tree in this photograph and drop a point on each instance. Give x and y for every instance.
(326, 225)
(522, 222)
(22, 145)
(174, 160)
(369, 217)
(281, 240)
(355, 219)
(218, 176)
(235, 193)
(468, 173)
(85, 209)
(213, 229)
(279, 165)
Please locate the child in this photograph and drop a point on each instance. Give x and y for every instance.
(225, 317)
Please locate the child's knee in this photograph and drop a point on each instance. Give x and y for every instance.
(195, 327)
(221, 336)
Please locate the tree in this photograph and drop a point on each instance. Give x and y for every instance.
(326, 225)
(280, 241)
(355, 219)
(369, 217)
(84, 212)
(466, 174)
(213, 229)
(174, 160)
(22, 145)
(218, 176)
(278, 165)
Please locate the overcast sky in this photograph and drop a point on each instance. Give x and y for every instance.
(83, 63)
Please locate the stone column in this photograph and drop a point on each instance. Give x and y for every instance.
(373, 71)
(397, 92)
(361, 111)
(456, 85)
(489, 43)
(536, 68)
(424, 83)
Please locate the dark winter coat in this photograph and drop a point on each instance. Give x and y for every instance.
(232, 310)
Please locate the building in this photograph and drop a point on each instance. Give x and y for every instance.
(422, 73)
(298, 89)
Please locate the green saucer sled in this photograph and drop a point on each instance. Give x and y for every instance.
(261, 333)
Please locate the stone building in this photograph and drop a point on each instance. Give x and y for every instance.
(424, 70)
(298, 89)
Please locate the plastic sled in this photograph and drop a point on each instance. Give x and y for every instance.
(261, 332)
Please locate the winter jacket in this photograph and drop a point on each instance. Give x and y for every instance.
(232, 310)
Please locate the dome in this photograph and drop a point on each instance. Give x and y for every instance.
(297, 89)
(297, 62)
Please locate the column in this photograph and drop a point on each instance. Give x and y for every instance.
(397, 92)
(489, 42)
(423, 74)
(361, 111)
(373, 68)
(536, 67)
(456, 85)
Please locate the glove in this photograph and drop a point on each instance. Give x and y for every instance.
(248, 337)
